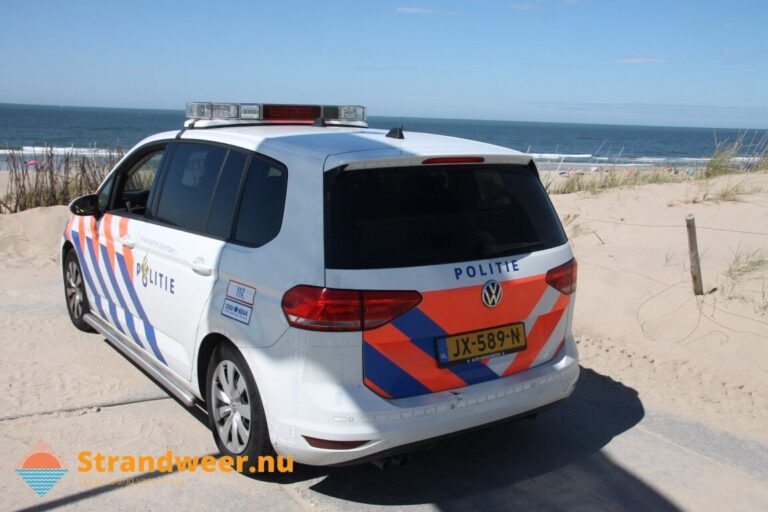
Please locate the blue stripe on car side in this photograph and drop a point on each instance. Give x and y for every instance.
(148, 329)
(128, 314)
(87, 272)
(103, 284)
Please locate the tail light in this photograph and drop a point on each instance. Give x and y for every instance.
(330, 309)
(563, 278)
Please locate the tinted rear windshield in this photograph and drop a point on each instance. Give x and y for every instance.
(412, 216)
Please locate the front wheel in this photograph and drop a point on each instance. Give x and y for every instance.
(235, 412)
(74, 292)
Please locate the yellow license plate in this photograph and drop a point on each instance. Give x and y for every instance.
(475, 345)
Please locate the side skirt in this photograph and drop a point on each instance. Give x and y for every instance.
(170, 382)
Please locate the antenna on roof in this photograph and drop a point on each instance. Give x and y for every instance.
(396, 133)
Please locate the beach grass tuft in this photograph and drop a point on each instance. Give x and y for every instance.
(747, 261)
(729, 192)
(610, 179)
(739, 155)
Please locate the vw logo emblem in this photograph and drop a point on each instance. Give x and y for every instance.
(491, 294)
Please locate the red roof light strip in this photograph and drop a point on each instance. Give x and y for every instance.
(292, 112)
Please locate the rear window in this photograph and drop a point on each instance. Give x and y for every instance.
(412, 216)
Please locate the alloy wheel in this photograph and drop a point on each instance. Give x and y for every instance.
(231, 406)
(74, 289)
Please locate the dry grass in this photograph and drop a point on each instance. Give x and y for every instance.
(56, 179)
(729, 192)
(747, 261)
(605, 180)
(739, 155)
(761, 305)
(722, 160)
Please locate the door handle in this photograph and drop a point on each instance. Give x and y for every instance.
(127, 241)
(199, 267)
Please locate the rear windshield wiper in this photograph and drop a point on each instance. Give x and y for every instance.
(497, 250)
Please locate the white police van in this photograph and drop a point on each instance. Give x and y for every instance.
(329, 291)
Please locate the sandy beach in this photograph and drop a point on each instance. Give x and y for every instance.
(638, 319)
(670, 411)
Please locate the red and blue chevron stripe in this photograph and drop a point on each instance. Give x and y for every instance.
(118, 263)
(399, 358)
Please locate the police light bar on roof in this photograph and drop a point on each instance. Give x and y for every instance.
(274, 113)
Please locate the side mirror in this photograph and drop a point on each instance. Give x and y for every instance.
(85, 205)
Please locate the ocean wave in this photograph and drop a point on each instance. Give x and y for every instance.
(649, 159)
(560, 156)
(38, 151)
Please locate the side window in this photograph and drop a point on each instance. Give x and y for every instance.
(143, 176)
(222, 212)
(134, 184)
(105, 193)
(261, 204)
(189, 184)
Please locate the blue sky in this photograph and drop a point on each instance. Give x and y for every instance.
(684, 63)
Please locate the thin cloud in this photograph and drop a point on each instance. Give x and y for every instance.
(641, 60)
(542, 5)
(414, 10)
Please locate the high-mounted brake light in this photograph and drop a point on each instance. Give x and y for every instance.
(330, 309)
(275, 113)
(455, 160)
(563, 278)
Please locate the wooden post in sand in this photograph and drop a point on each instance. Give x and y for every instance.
(693, 251)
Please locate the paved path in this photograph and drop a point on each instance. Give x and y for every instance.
(600, 450)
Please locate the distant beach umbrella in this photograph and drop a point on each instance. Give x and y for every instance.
(30, 163)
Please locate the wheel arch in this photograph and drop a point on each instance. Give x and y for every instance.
(65, 248)
(204, 353)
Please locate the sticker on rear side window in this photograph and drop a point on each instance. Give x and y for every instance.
(237, 311)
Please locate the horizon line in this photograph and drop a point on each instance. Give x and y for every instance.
(421, 117)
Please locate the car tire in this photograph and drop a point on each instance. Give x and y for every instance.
(74, 292)
(235, 411)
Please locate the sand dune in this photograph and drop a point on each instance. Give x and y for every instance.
(673, 388)
(636, 318)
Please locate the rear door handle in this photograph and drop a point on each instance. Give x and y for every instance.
(128, 242)
(199, 267)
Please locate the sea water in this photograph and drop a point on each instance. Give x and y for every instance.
(87, 128)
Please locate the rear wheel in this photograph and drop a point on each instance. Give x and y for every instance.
(235, 412)
(74, 292)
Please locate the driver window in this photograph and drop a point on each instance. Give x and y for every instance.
(132, 194)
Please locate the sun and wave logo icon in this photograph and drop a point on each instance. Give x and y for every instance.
(41, 469)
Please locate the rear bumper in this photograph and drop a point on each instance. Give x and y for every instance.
(345, 413)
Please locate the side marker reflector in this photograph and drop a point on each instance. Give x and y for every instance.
(327, 444)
